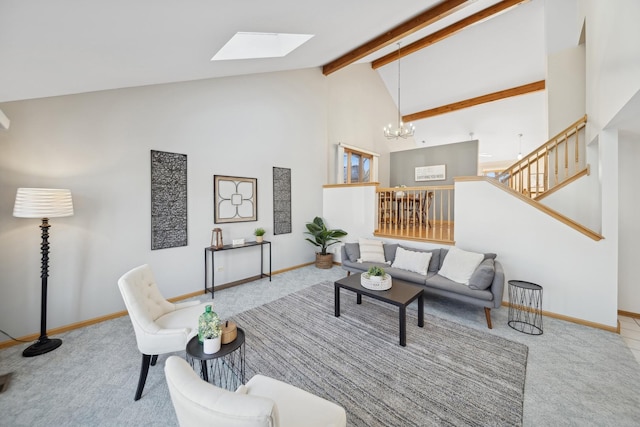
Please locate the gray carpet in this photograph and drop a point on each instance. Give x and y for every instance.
(576, 375)
(448, 374)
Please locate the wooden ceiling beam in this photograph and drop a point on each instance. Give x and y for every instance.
(507, 93)
(446, 32)
(427, 17)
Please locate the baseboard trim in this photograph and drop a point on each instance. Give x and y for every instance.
(629, 314)
(614, 329)
(100, 319)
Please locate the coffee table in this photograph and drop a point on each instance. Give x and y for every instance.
(401, 294)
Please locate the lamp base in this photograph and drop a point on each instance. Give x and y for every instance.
(42, 346)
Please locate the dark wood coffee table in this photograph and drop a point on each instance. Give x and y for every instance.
(401, 294)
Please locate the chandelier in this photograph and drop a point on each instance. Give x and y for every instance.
(402, 130)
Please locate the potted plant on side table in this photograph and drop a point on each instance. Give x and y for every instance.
(209, 331)
(322, 237)
(259, 233)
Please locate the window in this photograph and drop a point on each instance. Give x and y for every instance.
(356, 166)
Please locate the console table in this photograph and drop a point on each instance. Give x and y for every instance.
(228, 248)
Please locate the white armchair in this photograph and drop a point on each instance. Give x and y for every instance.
(262, 402)
(160, 326)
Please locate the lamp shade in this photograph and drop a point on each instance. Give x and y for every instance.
(42, 203)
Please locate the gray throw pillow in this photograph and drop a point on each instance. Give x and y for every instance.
(482, 277)
(353, 251)
(390, 252)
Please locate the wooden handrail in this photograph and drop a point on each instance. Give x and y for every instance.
(531, 176)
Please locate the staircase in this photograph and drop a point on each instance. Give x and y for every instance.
(551, 166)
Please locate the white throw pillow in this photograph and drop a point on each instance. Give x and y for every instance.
(418, 262)
(459, 265)
(371, 251)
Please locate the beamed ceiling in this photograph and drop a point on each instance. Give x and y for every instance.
(455, 53)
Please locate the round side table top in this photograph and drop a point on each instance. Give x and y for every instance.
(194, 347)
(525, 285)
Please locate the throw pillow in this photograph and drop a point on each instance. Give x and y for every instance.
(482, 277)
(353, 251)
(418, 262)
(434, 264)
(459, 265)
(371, 251)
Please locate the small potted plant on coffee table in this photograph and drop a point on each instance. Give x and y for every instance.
(375, 279)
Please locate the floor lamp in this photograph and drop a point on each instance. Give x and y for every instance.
(43, 203)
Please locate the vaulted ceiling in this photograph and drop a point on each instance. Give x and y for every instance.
(59, 47)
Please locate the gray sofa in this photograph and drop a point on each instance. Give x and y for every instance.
(433, 283)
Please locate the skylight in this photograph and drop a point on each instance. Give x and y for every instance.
(245, 45)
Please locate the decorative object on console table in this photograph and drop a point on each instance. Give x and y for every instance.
(323, 238)
(281, 200)
(43, 203)
(259, 233)
(216, 238)
(168, 200)
(375, 279)
(235, 199)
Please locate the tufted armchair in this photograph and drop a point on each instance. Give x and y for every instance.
(160, 326)
(262, 402)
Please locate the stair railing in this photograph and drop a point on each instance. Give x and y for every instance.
(549, 165)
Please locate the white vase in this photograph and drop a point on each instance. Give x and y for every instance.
(259, 239)
(210, 346)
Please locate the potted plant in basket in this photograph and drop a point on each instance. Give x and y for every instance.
(322, 237)
(209, 331)
(259, 233)
(376, 279)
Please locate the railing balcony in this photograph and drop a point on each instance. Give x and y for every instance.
(553, 163)
(415, 213)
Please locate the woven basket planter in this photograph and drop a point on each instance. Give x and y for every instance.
(375, 283)
(324, 261)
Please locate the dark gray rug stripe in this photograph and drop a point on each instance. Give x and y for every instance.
(448, 374)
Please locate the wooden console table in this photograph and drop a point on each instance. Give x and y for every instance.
(228, 248)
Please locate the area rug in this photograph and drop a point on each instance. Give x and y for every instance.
(448, 374)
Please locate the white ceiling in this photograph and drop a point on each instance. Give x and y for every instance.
(59, 47)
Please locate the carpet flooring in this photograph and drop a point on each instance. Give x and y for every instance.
(448, 374)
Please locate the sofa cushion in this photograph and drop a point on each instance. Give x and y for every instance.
(371, 251)
(353, 251)
(482, 277)
(442, 283)
(434, 263)
(459, 265)
(406, 275)
(418, 262)
(390, 252)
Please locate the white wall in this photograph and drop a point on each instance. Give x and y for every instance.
(629, 243)
(612, 57)
(577, 273)
(359, 107)
(98, 145)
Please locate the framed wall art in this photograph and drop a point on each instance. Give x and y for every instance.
(431, 173)
(281, 200)
(168, 200)
(235, 199)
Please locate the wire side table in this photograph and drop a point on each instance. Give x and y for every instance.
(525, 307)
(225, 368)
